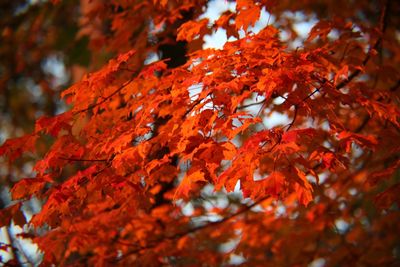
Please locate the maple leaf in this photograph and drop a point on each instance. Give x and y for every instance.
(366, 141)
(275, 184)
(27, 187)
(343, 73)
(295, 135)
(191, 29)
(14, 148)
(167, 143)
(54, 124)
(13, 213)
(88, 86)
(187, 182)
(321, 29)
(248, 16)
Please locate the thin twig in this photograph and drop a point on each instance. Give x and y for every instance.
(195, 103)
(294, 118)
(310, 95)
(363, 124)
(104, 99)
(252, 104)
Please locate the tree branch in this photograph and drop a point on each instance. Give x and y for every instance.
(189, 231)
(382, 26)
(104, 99)
(195, 103)
(252, 104)
(89, 160)
(294, 118)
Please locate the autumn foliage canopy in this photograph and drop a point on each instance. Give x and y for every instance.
(171, 154)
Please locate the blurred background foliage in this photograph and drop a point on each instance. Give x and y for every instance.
(40, 54)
